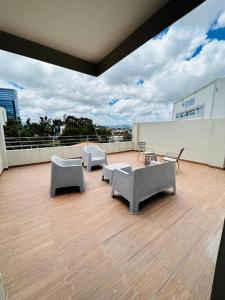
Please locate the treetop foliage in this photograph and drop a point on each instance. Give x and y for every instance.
(50, 127)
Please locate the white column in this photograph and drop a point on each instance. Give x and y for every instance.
(135, 132)
(3, 156)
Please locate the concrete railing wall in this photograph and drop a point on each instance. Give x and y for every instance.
(31, 156)
(203, 140)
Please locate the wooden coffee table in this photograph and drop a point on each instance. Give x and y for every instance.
(149, 157)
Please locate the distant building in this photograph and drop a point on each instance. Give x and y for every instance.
(116, 138)
(62, 127)
(208, 102)
(9, 100)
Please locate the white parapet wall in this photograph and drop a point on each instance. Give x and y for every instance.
(3, 157)
(39, 155)
(203, 140)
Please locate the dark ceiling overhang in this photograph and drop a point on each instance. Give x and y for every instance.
(172, 11)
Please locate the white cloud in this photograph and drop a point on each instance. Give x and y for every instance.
(220, 22)
(164, 63)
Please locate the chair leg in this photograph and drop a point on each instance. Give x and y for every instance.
(82, 189)
(112, 193)
(134, 207)
(174, 190)
(52, 191)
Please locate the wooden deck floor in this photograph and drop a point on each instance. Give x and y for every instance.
(88, 246)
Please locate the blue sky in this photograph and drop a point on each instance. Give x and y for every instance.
(142, 87)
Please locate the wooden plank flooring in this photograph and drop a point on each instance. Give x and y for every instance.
(88, 246)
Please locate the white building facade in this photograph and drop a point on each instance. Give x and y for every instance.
(206, 103)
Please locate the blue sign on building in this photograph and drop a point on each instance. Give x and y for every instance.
(188, 103)
(9, 100)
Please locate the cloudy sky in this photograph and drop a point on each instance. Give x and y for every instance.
(142, 87)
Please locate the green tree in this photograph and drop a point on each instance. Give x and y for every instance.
(102, 130)
(78, 126)
(41, 128)
(45, 126)
(70, 131)
(13, 127)
(57, 122)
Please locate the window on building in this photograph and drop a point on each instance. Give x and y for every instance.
(201, 109)
(194, 112)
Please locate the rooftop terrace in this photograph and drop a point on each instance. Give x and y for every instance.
(88, 246)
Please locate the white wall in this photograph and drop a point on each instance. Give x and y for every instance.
(203, 140)
(219, 103)
(3, 158)
(30, 156)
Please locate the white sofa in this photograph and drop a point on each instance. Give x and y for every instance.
(65, 173)
(93, 156)
(140, 184)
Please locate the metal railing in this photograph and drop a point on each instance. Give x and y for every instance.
(15, 143)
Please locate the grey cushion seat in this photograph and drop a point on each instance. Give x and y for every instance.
(66, 173)
(97, 159)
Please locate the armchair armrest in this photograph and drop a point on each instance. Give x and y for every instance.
(85, 151)
(126, 170)
(87, 154)
(72, 162)
(122, 182)
(120, 172)
(101, 153)
(86, 159)
(121, 177)
(101, 150)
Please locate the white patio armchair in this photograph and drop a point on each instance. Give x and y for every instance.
(138, 185)
(93, 156)
(66, 173)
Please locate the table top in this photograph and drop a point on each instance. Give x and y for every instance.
(116, 166)
(149, 153)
